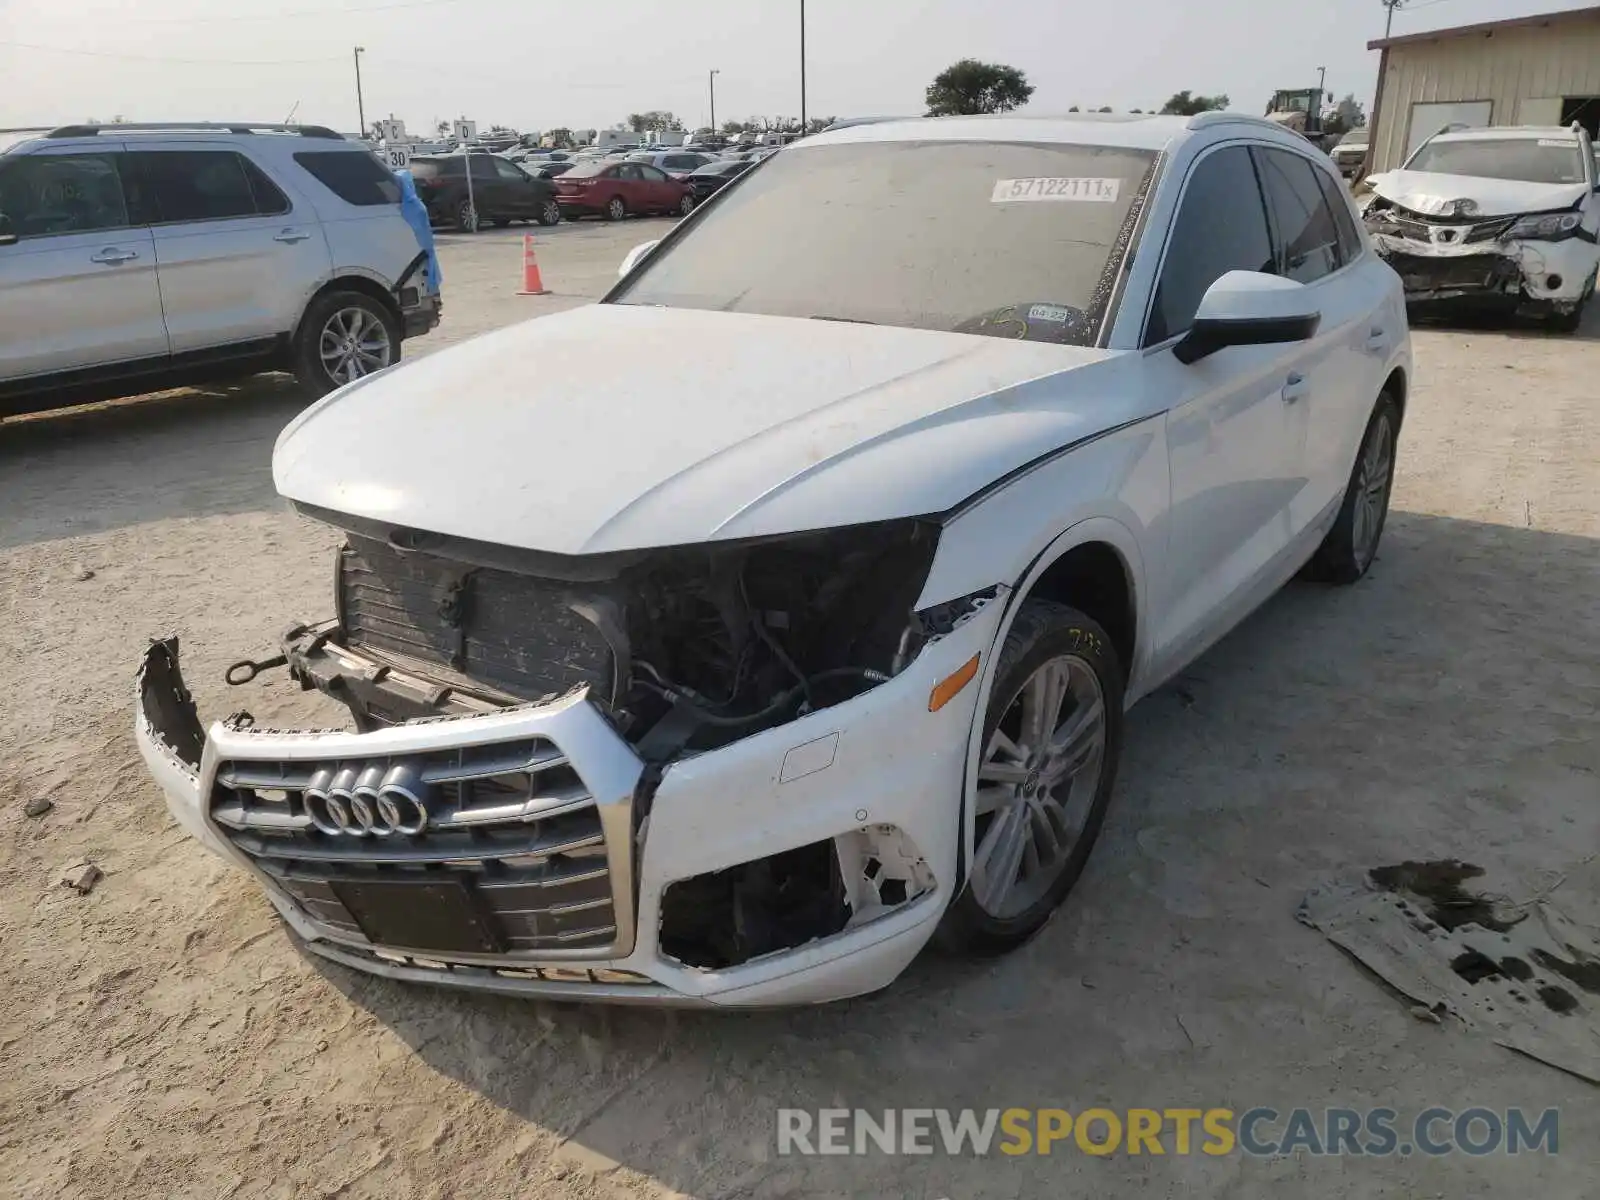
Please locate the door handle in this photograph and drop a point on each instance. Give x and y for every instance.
(1296, 387)
(112, 255)
(291, 235)
(1377, 338)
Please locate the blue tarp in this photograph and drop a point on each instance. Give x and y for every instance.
(416, 215)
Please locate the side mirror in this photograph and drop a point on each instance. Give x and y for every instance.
(1249, 308)
(634, 255)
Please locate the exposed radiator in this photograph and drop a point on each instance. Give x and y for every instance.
(516, 633)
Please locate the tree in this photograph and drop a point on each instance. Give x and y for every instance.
(1186, 104)
(970, 86)
(442, 128)
(1107, 108)
(654, 119)
(1347, 114)
(1074, 108)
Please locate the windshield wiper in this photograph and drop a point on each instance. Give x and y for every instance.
(845, 320)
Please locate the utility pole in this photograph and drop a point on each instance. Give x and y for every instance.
(711, 80)
(1388, 21)
(802, 68)
(361, 108)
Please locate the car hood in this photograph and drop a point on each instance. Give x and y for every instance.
(1435, 195)
(593, 430)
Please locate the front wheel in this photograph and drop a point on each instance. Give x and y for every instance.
(343, 337)
(549, 213)
(1047, 762)
(1351, 545)
(686, 205)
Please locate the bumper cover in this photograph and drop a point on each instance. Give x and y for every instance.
(891, 765)
(1557, 274)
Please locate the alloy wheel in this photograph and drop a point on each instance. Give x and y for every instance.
(467, 217)
(1372, 490)
(616, 210)
(354, 343)
(1037, 781)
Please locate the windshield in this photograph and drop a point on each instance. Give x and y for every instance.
(1003, 239)
(1525, 159)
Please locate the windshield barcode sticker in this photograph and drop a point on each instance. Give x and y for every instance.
(1103, 191)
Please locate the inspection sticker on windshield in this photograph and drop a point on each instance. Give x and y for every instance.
(1102, 191)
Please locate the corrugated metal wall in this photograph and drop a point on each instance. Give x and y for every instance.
(1515, 68)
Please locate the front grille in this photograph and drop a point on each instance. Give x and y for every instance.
(518, 634)
(512, 822)
(1420, 227)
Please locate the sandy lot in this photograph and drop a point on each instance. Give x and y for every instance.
(161, 1037)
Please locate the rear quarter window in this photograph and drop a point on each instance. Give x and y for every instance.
(354, 176)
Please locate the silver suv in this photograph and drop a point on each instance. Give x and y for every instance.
(137, 257)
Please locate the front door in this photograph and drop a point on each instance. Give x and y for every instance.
(78, 287)
(1233, 438)
(238, 260)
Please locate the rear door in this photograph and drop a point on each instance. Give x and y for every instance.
(488, 190)
(237, 258)
(357, 199)
(629, 181)
(1341, 376)
(78, 287)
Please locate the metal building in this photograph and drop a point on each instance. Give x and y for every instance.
(1541, 70)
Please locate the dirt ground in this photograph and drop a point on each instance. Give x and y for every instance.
(161, 1036)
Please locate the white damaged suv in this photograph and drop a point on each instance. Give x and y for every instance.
(735, 687)
(1504, 218)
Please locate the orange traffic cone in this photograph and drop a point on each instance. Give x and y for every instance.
(532, 284)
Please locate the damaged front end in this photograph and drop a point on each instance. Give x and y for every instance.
(1537, 263)
(704, 773)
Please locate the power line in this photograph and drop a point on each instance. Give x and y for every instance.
(207, 62)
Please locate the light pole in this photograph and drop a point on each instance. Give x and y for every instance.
(802, 68)
(711, 81)
(361, 108)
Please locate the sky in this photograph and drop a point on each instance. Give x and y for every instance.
(537, 64)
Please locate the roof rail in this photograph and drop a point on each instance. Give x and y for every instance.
(312, 131)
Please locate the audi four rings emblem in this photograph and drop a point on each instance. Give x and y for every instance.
(375, 800)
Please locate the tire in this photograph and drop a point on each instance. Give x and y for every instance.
(320, 360)
(466, 217)
(616, 208)
(1045, 636)
(1351, 545)
(686, 205)
(549, 213)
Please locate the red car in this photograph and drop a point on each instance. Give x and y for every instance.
(616, 189)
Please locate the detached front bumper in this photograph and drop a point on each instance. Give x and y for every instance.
(878, 776)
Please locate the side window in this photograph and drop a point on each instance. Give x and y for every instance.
(1350, 245)
(651, 174)
(1308, 240)
(482, 167)
(354, 177)
(269, 197)
(45, 194)
(508, 171)
(629, 171)
(1221, 226)
(199, 185)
